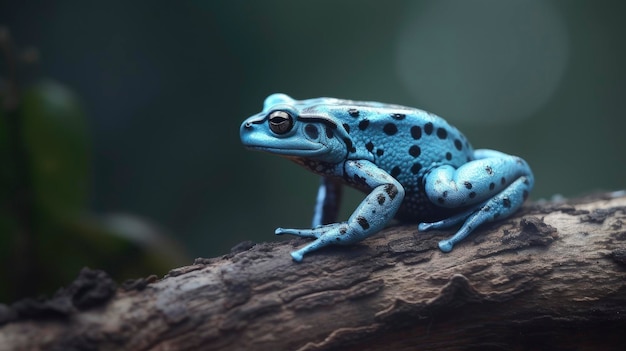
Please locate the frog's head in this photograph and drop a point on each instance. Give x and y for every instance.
(288, 128)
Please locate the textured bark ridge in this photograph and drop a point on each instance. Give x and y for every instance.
(551, 278)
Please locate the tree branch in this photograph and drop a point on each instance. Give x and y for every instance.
(552, 277)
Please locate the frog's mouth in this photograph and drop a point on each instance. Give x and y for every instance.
(288, 150)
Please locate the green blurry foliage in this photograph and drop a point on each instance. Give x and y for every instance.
(57, 145)
(46, 232)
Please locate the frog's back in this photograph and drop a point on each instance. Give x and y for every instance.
(405, 142)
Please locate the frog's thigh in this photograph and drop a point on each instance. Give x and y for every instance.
(475, 181)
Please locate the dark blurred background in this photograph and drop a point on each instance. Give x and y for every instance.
(157, 90)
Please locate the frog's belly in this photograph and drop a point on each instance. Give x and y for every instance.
(416, 207)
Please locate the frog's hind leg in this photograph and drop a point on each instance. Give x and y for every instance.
(500, 206)
(327, 202)
(494, 186)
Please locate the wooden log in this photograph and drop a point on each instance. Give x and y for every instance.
(551, 278)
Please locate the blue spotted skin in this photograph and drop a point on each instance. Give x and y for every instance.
(413, 165)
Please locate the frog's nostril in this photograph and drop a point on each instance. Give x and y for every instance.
(248, 125)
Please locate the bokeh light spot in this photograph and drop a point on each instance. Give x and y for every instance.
(484, 61)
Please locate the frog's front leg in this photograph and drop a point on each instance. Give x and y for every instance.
(376, 210)
(492, 186)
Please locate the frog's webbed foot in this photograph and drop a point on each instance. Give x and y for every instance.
(325, 235)
(492, 186)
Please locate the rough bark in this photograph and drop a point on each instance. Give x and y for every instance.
(553, 277)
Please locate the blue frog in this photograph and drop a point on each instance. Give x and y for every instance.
(412, 164)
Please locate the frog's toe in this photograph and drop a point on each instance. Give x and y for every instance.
(297, 256)
(448, 222)
(445, 245)
(305, 233)
(422, 227)
(299, 232)
(443, 224)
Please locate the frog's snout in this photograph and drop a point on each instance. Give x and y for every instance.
(248, 127)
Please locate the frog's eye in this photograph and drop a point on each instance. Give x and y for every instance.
(280, 122)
